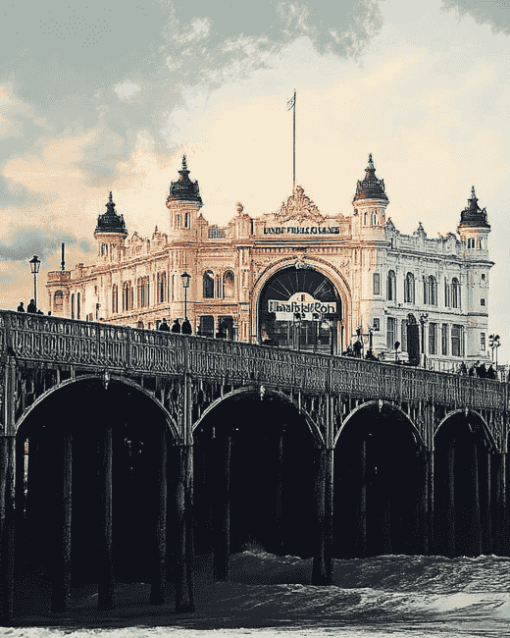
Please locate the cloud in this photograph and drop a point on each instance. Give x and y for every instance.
(22, 243)
(126, 90)
(492, 13)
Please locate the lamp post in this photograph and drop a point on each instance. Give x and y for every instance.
(185, 284)
(35, 264)
(423, 320)
(397, 345)
(370, 328)
(494, 343)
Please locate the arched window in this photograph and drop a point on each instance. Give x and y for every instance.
(161, 287)
(187, 220)
(374, 218)
(127, 296)
(480, 245)
(208, 285)
(447, 295)
(455, 293)
(228, 285)
(78, 309)
(365, 218)
(409, 291)
(177, 220)
(115, 298)
(432, 286)
(58, 301)
(391, 286)
(72, 306)
(425, 291)
(376, 283)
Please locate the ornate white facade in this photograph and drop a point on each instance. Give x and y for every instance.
(297, 277)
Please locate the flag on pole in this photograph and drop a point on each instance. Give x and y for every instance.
(291, 103)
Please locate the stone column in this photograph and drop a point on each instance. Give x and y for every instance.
(158, 583)
(106, 571)
(221, 504)
(61, 586)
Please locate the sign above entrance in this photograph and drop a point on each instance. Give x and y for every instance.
(301, 307)
(302, 230)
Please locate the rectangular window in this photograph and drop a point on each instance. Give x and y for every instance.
(482, 302)
(456, 340)
(187, 221)
(444, 339)
(377, 324)
(390, 333)
(377, 283)
(483, 343)
(432, 338)
(177, 220)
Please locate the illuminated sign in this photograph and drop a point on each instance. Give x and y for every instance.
(301, 306)
(299, 230)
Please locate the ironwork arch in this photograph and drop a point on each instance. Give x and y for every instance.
(172, 426)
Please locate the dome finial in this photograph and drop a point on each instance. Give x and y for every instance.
(111, 197)
(370, 162)
(184, 163)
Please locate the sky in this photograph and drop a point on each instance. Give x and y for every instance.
(109, 95)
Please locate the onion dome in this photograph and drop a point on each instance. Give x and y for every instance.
(111, 222)
(370, 187)
(184, 189)
(473, 215)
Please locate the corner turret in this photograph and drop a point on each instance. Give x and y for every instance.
(184, 201)
(111, 232)
(370, 200)
(474, 228)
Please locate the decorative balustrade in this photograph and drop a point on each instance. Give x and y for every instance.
(128, 350)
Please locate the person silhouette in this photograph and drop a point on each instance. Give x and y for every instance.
(32, 307)
(186, 327)
(176, 326)
(21, 307)
(164, 326)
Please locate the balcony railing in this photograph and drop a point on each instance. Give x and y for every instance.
(97, 346)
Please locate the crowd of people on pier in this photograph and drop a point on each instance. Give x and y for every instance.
(31, 308)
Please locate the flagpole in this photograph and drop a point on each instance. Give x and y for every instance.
(294, 147)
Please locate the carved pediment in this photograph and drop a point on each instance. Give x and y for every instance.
(299, 208)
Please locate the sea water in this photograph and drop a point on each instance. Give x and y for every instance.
(415, 596)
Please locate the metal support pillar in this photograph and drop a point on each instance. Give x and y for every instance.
(485, 490)
(361, 536)
(7, 526)
(158, 583)
(499, 501)
(221, 513)
(61, 586)
(184, 596)
(106, 574)
(279, 518)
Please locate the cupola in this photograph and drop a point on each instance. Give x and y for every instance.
(473, 216)
(184, 189)
(370, 187)
(110, 232)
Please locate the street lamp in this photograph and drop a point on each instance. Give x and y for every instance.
(397, 345)
(370, 328)
(423, 320)
(35, 264)
(494, 343)
(185, 284)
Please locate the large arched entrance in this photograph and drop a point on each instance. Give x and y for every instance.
(300, 308)
(92, 479)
